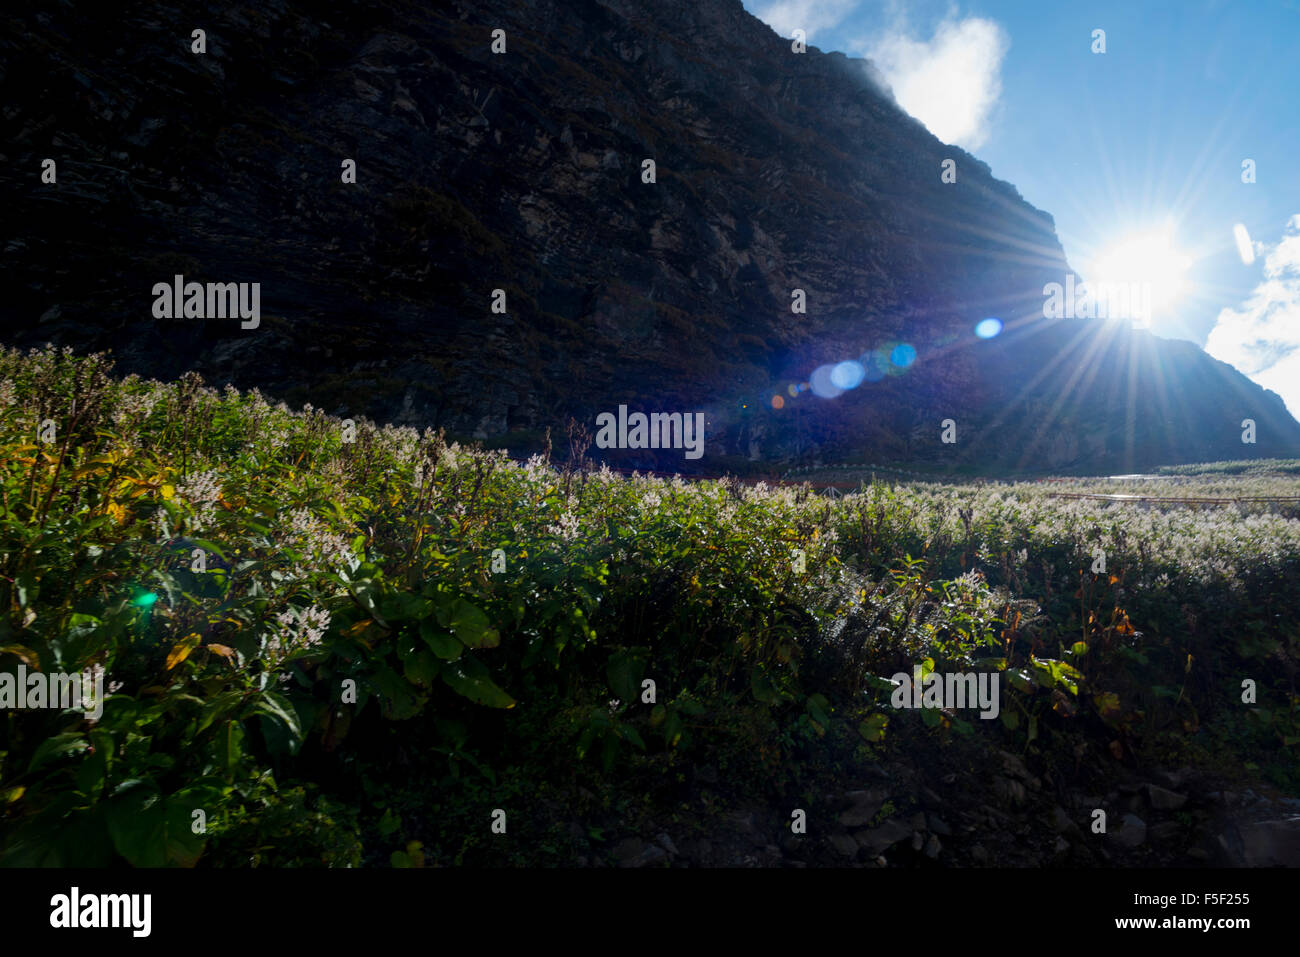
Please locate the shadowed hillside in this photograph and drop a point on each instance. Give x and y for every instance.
(522, 171)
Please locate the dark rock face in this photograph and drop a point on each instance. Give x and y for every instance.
(522, 171)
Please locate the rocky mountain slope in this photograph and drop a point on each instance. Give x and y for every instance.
(523, 171)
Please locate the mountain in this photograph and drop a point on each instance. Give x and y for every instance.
(522, 171)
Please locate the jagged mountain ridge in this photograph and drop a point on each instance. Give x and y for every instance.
(521, 171)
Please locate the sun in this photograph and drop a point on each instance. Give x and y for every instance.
(1150, 259)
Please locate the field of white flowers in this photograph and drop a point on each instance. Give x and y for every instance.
(1158, 541)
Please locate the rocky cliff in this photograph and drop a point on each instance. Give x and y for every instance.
(524, 171)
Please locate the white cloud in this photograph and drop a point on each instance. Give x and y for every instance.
(1262, 337)
(786, 16)
(952, 81)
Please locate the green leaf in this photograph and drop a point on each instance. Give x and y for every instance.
(219, 706)
(691, 707)
(876, 684)
(64, 834)
(421, 668)
(399, 698)
(150, 831)
(208, 546)
(275, 706)
(1020, 680)
(469, 678)
(817, 706)
(873, 729)
(624, 672)
(137, 821)
(762, 687)
(629, 733)
(228, 745)
(58, 745)
(403, 606)
(445, 646)
(472, 626)
(1063, 669)
(1108, 705)
(673, 729)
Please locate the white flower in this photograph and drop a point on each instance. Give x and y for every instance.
(92, 679)
(536, 467)
(296, 631)
(160, 523)
(567, 527)
(276, 433)
(135, 408)
(324, 551)
(202, 492)
(449, 457)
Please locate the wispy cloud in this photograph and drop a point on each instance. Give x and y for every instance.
(810, 16)
(1262, 337)
(950, 82)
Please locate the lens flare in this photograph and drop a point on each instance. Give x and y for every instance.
(988, 328)
(1153, 264)
(847, 375)
(902, 355)
(875, 365)
(1244, 247)
(822, 383)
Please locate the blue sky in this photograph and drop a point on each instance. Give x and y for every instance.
(1136, 152)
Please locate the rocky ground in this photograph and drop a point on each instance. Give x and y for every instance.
(1004, 813)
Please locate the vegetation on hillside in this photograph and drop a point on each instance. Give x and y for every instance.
(330, 637)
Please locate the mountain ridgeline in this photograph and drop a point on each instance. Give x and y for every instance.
(525, 171)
